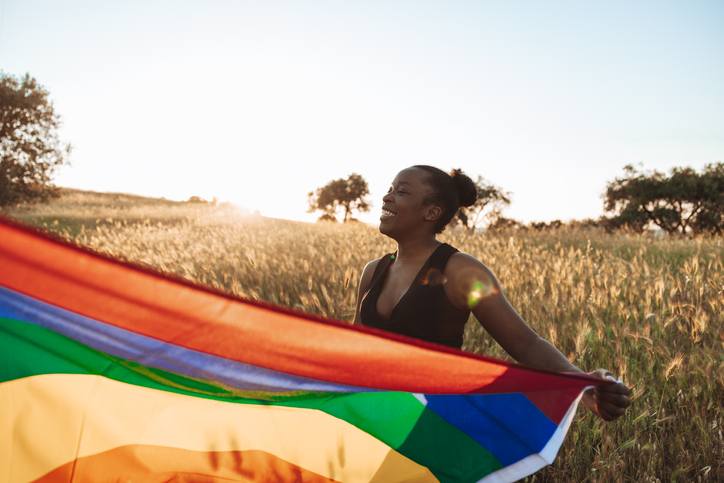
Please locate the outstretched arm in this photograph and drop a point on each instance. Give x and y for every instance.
(471, 284)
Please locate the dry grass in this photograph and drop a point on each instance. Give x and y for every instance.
(647, 309)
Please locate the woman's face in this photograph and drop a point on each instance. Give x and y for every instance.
(404, 207)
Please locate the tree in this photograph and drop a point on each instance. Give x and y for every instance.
(30, 150)
(506, 224)
(489, 205)
(347, 194)
(543, 226)
(683, 202)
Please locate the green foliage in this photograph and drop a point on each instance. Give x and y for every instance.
(201, 201)
(30, 150)
(488, 206)
(327, 217)
(347, 194)
(683, 202)
(542, 225)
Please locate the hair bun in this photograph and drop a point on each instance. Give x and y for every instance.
(466, 189)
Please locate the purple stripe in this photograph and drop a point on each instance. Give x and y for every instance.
(157, 354)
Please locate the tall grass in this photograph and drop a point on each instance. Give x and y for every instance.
(649, 309)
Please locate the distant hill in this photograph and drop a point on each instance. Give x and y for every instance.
(79, 209)
(75, 197)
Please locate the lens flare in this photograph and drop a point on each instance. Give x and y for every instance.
(480, 290)
(432, 277)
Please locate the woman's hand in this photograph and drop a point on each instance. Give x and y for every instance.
(610, 401)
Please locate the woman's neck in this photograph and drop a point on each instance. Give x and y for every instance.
(416, 248)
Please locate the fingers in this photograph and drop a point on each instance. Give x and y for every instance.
(614, 389)
(604, 374)
(609, 414)
(610, 401)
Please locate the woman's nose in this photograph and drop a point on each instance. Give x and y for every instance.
(387, 197)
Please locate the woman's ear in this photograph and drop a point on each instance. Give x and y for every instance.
(433, 213)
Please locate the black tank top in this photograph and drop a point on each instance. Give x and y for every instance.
(424, 312)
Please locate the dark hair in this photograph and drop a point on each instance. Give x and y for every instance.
(448, 191)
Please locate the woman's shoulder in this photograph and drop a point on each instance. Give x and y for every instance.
(464, 263)
(371, 266)
(368, 272)
(461, 260)
(465, 274)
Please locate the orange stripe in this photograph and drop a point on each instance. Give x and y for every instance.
(159, 307)
(152, 464)
(54, 419)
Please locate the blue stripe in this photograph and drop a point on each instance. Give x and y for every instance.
(510, 426)
(158, 354)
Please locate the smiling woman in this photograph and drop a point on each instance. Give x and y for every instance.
(427, 289)
(445, 192)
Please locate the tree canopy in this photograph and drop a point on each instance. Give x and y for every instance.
(345, 194)
(30, 149)
(488, 206)
(682, 202)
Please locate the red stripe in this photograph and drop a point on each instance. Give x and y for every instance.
(200, 319)
(554, 404)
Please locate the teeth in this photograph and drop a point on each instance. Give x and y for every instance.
(387, 213)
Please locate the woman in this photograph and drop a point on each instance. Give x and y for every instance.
(427, 289)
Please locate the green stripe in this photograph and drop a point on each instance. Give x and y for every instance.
(397, 419)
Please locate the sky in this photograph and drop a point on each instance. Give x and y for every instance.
(260, 102)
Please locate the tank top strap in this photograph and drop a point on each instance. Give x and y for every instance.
(439, 258)
(381, 268)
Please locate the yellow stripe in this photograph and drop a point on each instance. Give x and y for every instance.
(49, 420)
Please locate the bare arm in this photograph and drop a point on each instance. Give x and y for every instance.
(468, 275)
(364, 284)
(471, 284)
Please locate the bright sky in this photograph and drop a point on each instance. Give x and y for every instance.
(259, 102)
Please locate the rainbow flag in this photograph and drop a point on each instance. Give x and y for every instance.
(113, 372)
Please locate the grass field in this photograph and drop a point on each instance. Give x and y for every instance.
(649, 309)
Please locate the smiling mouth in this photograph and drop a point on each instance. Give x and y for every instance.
(387, 214)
